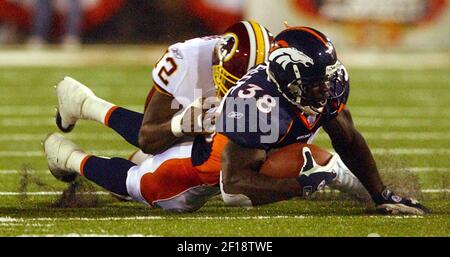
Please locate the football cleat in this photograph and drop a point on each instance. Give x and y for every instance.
(58, 151)
(71, 97)
(390, 203)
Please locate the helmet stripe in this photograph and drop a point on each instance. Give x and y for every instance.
(259, 42)
(252, 50)
(266, 42)
(314, 34)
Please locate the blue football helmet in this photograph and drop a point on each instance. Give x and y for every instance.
(304, 66)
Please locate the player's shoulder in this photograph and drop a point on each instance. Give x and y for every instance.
(172, 72)
(250, 112)
(255, 84)
(182, 50)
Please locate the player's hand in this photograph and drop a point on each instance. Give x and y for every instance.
(314, 177)
(390, 203)
(199, 119)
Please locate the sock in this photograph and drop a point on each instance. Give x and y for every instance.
(75, 160)
(97, 109)
(110, 174)
(126, 123)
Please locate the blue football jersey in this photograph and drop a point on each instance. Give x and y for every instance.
(255, 114)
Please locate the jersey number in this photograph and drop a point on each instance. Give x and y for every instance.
(167, 70)
(264, 104)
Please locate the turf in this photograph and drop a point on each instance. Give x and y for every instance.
(405, 116)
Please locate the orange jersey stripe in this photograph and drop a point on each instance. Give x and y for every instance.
(83, 162)
(108, 115)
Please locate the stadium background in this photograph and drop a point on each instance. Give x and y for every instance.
(397, 52)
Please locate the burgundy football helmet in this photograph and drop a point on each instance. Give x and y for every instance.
(242, 46)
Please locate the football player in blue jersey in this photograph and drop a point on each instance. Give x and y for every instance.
(302, 87)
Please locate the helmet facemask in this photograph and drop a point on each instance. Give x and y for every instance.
(311, 98)
(223, 80)
(223, 52)
(312, 95)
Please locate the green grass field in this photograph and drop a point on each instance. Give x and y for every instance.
(404, 115)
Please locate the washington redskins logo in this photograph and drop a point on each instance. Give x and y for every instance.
(284, 56)
(227, 46)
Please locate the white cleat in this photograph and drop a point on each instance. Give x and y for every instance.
(71, 97)
(58, 151)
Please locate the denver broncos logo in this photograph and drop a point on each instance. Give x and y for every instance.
(284, 56)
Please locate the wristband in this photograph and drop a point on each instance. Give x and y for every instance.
(176, 122)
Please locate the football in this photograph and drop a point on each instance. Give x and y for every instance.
(288, 161)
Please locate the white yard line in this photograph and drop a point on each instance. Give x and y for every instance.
(397, 111)
(24, 221)
(400, 122)
(426, 169)
(86, 235)
(40, 154)
(49, 193)
(410, 151)
(135, 218)
(24, 137)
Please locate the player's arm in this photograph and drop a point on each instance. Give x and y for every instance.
(240, 175)
(354, 151)
(163, 124)
(156, 133)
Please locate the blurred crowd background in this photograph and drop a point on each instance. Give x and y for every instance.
(405, 24)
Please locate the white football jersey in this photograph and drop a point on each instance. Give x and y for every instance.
(185, 71)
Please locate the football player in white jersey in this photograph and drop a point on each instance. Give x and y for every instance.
(169, 178)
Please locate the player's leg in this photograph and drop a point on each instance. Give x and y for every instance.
(76, 101)
(67, 161)
(167, 180)
(170, 181)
